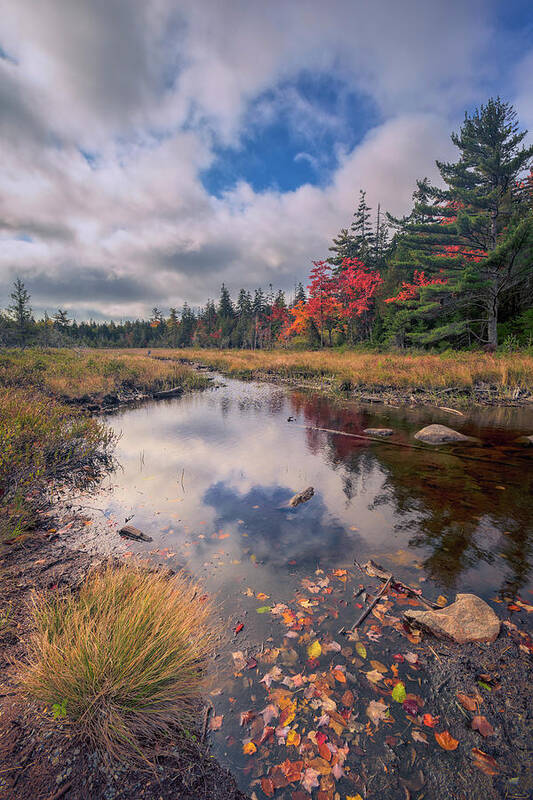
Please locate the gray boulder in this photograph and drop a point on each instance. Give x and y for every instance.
(378, 431)
(441, 434)
(469, 619)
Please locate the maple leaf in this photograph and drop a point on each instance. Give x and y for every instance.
(293, 739)
(249, 748)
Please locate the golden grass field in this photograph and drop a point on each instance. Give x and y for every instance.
(457, 370)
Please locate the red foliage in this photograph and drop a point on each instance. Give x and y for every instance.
(411, 291)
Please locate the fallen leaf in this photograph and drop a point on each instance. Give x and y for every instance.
(347, 698)
(419, 736)
(470, 703)
(398, 693)
(441, 600)
(481, 724)
(292, 770)
(379, 666)
(262, 596)
(267, 785)
(374, 676)
(239, 627)
(353, 797)
(249, 749)
(339, 676)
(263, 609)
(215, 723)
(361, 649)
(293, 739)
(314, 649)
(310, 779)
(377, 710)
(429, 720)
(239, 662)
(484, 762)
(446, 740)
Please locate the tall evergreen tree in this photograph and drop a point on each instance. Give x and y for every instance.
(225, 306)
(299, 295)
(344, 246)
(466, 239)
(363, 235)
(20, 310)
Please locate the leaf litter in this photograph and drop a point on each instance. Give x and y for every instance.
(323, 700)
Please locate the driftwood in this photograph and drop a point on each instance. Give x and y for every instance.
(367, 611)
(301, 497)
(375, 571)
(129, 532)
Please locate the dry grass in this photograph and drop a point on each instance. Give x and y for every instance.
(458, 370)
(77, 374)
(126, 657)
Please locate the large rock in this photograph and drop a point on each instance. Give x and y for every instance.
(441, 434)
(378, 431)
(469, 619)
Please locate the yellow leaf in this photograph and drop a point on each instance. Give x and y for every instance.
(441, 600)
(293, 738)
(249, 749)
(314, 649)
(361, 649)
(353, 797)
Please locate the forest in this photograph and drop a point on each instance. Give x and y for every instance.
(455, 272)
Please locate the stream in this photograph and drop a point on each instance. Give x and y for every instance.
(209, 476)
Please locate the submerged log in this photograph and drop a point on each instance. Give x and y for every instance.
(301, 497)
(129, 532)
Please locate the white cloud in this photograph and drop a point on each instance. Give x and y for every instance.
(146, 89)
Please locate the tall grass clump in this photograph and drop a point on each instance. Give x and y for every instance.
(42, 440)
(126, 657)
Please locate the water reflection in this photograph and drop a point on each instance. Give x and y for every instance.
(209, 477)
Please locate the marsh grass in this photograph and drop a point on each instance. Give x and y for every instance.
(126, 658)
(462, 371)
(74, 375)
(42, 440)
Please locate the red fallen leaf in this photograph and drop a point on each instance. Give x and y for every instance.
(321, 738)
(481, 724)
(410, 706)
(484, 762)
(251, 663)
(429, 720)
(267, 786)
(239, 627)
(399, 658)
(446, 740)
(324, 751)
(470, 703)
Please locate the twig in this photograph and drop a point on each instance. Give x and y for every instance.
(64, 789)
(207, 710)
(365, 613)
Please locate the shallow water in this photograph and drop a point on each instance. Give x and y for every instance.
(209, 476)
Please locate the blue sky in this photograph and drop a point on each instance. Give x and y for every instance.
(155, 148)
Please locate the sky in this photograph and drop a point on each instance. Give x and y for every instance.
(153, 149)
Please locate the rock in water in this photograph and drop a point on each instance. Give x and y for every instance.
(378, 431)
(469, 619)
(302, 497)
(440, 434)
(129, 532)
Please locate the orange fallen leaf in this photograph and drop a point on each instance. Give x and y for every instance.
(446, 740)
(481, 724)
(249, 749)
(267, 786)
(484, 762)
(429, 720)
(470, 703)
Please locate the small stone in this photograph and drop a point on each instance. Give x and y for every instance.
(378, 431)
(468, 619)
(441, 434)
(301, 497)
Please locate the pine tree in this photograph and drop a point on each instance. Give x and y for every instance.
(225, 306)
(259, 303)
(299, 295)
(344, 246)
(363, 235)
(61, 320)
(173, 327)
(244, 304)
(465, 242)
(20, 310)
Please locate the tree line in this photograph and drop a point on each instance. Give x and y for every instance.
(456, 271)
